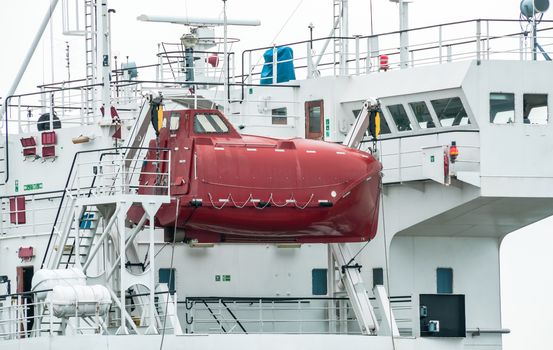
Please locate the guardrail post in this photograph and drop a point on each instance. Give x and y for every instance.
(488, 40)
(357, 55)
(275, 65)
(309, 61)
(478, 41)
(521, 46)
(374, 50)
(440, 43)
(449, 53)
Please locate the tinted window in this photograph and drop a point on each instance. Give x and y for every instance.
(319, 281)
(502, 108)
(209, 124)
(421, 112)
(400, 117)
(378, 277)
(535, 109)
(314, 119)
(279, 116)
(450, 112)
(444, 280)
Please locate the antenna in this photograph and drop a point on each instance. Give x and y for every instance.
(199, 21)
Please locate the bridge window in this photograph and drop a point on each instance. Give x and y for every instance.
(421, 112)
(279, 116)
(400, 117)
(502, 108)
(209, 124)
(535, 109)
(450, 111)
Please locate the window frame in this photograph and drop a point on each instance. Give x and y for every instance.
(471, 121)
(314, 135)
(430, 110)
(405, 110)
(275, 117)
(548, 120)
(229, 128)
(515, 119)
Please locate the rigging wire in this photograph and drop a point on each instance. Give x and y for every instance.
(387, 265)
(171, 273)
(277, 34)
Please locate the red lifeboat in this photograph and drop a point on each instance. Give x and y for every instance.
(239, 188)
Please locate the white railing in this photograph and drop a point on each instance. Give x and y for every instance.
(481, 39)
(282, 315)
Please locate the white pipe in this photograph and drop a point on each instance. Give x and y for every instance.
(225, 60)
(29, 55)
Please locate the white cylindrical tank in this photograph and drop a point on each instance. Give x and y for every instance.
(79, 301)
(48, 279)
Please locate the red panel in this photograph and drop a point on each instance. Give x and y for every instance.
(48, 151)
(49, 138)
(28, 142)
(17, 210)
(29, 151)
(25, 252)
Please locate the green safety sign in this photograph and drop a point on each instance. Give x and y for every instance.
(431, 159)
(33, 187)
(222, 278)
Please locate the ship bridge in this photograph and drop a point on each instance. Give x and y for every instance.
(480, 90)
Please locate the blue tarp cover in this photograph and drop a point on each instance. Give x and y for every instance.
(285, 70)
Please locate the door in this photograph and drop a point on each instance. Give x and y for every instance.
(314, 120)
(24, 284)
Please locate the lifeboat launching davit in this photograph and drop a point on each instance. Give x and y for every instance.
(227, 187)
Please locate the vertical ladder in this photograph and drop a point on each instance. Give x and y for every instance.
(90, 53)
(337, 22)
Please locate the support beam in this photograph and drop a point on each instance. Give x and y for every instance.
(388, 325)
(357, 292)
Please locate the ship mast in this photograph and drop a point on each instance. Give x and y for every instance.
(29, 55)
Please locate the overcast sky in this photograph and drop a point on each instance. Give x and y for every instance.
(526, 255)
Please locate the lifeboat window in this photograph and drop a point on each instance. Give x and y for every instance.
(444, 280)
(209, 124)
(174, 122)
(450, 111)
(421, 112)
(400, 117)
(535, 109)
(279, 116)
(502, 108)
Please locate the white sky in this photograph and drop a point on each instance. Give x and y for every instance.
(526, 255)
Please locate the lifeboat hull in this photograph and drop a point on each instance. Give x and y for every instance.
(238, 188)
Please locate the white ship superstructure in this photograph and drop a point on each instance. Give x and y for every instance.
(464, 132)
